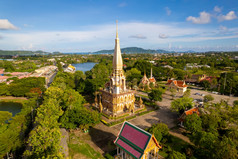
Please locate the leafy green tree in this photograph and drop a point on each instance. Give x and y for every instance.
(60, 68)
(193, 123)
(176, 155)
(208, 98)
(4, 89)
(173, 92)
(187, 93)
(4, 116)
(235, 103)
(181, 104)
(225, 148)
(45, 137)
(210, 122)
(23, 86)
(206, 84)
(159, 130)
(205, 142)
(82, 118)
(156, 94)
(179, 74)
(133, 74)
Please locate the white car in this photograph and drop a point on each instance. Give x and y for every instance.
(214, 92)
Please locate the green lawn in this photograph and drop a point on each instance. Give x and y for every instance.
(77, 146)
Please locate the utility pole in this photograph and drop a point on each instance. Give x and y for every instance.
(224, 84)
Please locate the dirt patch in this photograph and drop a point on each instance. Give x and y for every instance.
(11, 97)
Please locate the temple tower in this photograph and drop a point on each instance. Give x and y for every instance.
(117, 79)
(116, 99)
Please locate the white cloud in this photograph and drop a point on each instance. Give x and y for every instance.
(163, 36)
(102, 37)
(229, 16)
(236, 46)
(217, 9)
(6, 25)
(204, 18)
(168, 11)
(138, 36)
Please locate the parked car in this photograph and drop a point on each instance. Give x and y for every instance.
(203, 95)
(214, 92)
(197, 94)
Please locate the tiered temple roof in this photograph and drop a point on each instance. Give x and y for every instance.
(134, 140)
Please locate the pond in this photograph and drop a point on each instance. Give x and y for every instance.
(87, 66)
(12, 107)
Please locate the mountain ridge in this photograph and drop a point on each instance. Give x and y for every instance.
(136, 50)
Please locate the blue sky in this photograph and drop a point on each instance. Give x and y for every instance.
(89, 25)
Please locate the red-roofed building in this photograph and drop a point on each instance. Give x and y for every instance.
(188, 112)
(133, 142)
(2, 72)
(4, 78)
(178, 85)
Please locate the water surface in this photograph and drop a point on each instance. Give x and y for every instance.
(12, 107)
(87, 66)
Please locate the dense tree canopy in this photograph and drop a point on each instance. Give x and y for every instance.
(181, 104)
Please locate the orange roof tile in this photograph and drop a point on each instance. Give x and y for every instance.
(191, 111)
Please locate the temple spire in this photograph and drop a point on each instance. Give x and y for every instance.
(151, 73)
(117, 59)
(117, 30)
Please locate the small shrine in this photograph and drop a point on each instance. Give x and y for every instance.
(147, 81)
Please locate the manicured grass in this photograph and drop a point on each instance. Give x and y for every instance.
(82, 148)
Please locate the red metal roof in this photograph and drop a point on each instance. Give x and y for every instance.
(133, 140)
(129, 149)
(136, 137)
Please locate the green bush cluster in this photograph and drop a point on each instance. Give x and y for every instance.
(13, 132)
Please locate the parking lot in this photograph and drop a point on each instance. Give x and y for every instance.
(217, 97)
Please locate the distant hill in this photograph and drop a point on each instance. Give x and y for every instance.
(135, 50)
(22, 52)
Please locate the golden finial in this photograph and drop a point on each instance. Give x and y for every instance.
(117, 30)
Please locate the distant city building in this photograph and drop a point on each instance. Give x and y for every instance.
(178, 85)
(4, 78)
(2, 72)
(168, 66)
(70, 69)
(133, 142)
(48, 72)
(194, 65)
(196, 78)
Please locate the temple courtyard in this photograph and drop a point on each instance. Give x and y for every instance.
(101, 137)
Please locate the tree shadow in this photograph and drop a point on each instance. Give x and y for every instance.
(104, 140)
(165, 115)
